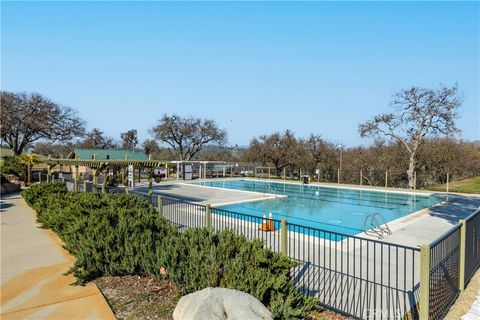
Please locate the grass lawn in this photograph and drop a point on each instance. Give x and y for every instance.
(471, 185)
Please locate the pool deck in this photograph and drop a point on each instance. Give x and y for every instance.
(205, 195)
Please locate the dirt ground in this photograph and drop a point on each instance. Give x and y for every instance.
(466, 298)
(139, 298)
(144, 298)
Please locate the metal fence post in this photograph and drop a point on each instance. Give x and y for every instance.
(208, 217)
(75, 185)
(84, 185)
(386, 178)
(338, 176)
(284, 236)
(463, 239)
(448, 181)
(160, 205)
(361, 177)
(40, 177)
(414, 180)
(424, 304)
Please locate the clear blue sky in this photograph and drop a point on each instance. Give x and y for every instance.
(255, 68)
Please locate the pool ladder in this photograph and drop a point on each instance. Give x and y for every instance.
(373, 227)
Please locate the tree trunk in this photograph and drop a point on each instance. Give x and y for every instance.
(411, 169)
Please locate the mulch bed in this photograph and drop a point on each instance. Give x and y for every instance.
(139, 298)
(145, 298)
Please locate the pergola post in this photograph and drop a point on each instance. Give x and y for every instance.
(150, 178)
(49, 173)
(75, 183)
(94, 178)
(105, 177)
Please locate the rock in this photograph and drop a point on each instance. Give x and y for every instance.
(220, 304)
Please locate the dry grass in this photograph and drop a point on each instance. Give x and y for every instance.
(466, 298)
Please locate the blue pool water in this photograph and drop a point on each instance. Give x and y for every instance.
(332, 209)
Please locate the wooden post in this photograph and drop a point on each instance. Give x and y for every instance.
(448, 181)
(463, 240)
(361, 177)
(208, 217)
(424, 303)
(75, 186)
(160, 205)
(104, 182)
(386, 178)
(150, 178)
(94, 180)
(49, 173)
(284, 236)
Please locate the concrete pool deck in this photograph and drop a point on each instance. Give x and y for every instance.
(205, 195)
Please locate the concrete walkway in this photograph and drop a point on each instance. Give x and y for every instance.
(33, 263)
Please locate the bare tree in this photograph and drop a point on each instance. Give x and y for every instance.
(26, 118)
(276, 149)
(98, 140)
(187, 136)
(129, 139)
(418, 113)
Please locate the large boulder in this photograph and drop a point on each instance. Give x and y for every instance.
(220, 304)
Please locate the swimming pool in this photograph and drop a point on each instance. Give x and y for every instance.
(332, 209)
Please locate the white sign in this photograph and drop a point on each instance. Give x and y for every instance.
(131, 180)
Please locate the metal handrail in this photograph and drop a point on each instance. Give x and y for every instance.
(379, 229)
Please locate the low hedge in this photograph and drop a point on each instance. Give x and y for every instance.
(113, 234)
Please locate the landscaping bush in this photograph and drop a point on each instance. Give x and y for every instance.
(198, 258)
(117, 234)
(39, 191)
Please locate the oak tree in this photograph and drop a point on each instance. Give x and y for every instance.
(418, 113)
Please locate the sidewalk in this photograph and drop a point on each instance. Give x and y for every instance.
(33, 263)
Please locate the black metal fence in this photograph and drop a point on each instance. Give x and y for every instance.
(357, 276)
(444, 273)
(472, 245)
(360, 277)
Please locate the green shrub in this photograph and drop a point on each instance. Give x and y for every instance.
(39, 191)
(197, 258)
(11, 165)
(117, 234)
